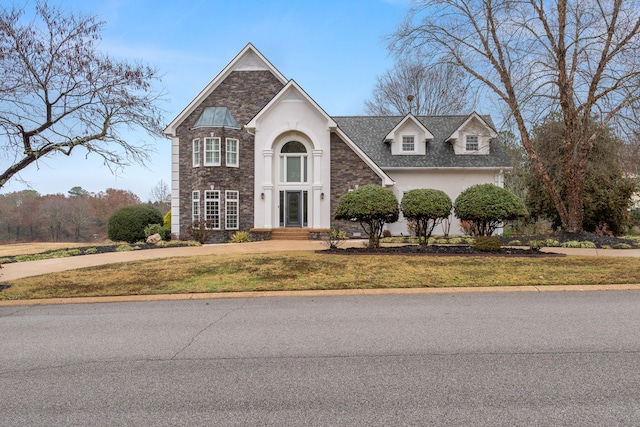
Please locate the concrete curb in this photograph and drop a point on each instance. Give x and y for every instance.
(319, 293)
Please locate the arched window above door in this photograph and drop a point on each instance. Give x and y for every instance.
(293, 147)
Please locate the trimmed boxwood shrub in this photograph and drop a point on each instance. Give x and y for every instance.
(488, 206)
(427, 208)
(127, 224)
(372, 206)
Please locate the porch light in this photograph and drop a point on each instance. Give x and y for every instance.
(322, 196)
(262, 196)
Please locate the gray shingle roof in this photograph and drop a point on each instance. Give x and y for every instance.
(368, 133)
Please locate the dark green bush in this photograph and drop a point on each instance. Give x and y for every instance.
(487, 244)
(127, 224)
(487, 207)
(372, 206)
(427, 208)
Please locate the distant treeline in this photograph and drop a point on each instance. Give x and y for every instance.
(27, 216)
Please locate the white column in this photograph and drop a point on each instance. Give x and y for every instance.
(175, 186)
(267, 189)
(317, 189)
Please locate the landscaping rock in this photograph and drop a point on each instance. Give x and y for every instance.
(154, 239)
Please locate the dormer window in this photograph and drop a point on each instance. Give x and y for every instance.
(408, 143)
(472, 143)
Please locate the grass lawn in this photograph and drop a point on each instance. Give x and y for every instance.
(311, 271)
(14, 249)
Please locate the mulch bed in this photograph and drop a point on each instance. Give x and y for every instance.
(439, 250)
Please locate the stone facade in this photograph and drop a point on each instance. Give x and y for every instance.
(348, 170)
(244, 93)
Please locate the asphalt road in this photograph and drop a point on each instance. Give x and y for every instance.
(499, 359)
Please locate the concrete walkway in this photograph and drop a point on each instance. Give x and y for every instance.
(34, 268)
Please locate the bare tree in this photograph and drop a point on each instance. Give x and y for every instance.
(414, 86)
(58, 92)
(53, 210)
(160, 196)
(79, 215)
(577, 57)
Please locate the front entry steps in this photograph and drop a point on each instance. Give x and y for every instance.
(290, 234)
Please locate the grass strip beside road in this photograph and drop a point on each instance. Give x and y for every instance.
(312, 271)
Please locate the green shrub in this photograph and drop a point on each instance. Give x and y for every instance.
(128, 223)
(90, 251)
(487, 244)
(74, 252)
(240, 237)
(55, 254)
(125, 247)
(622, 246)
(167, 220)
(580, 245)
(455, 240)
(164, 232)
(544, 243)
(515, 243)
(487, 207)
(426, 208)
(372, 206)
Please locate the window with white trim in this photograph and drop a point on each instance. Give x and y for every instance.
(196, 152)
(294, 163)
(408, 143)
(212, 151)
(232, 152)
(212, 209)
(231, 208)
(472, 143)
(195, 206)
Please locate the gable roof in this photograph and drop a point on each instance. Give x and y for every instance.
(291, 90)
(368, 133)
(472, 116)
(249, 59)
(409, 117)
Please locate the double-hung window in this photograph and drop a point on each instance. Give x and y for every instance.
(212, 209)
(232, 206)
(195, 206)
(472, 143)
(196, 152)
(232, 152)
(212, 151)
(408, 143)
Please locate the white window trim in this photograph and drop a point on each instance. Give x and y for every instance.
(214, 215)
(304, 168)
(231, 197)
(402, 142)
(195, 206)
(212, 151)
(196, 155)
(477, 144)
(236, 152)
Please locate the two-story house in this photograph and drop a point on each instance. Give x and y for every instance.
(254, 152)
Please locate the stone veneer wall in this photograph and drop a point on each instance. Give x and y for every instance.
(244, 93)
(347, 171)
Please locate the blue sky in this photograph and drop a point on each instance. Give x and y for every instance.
(333, 48)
